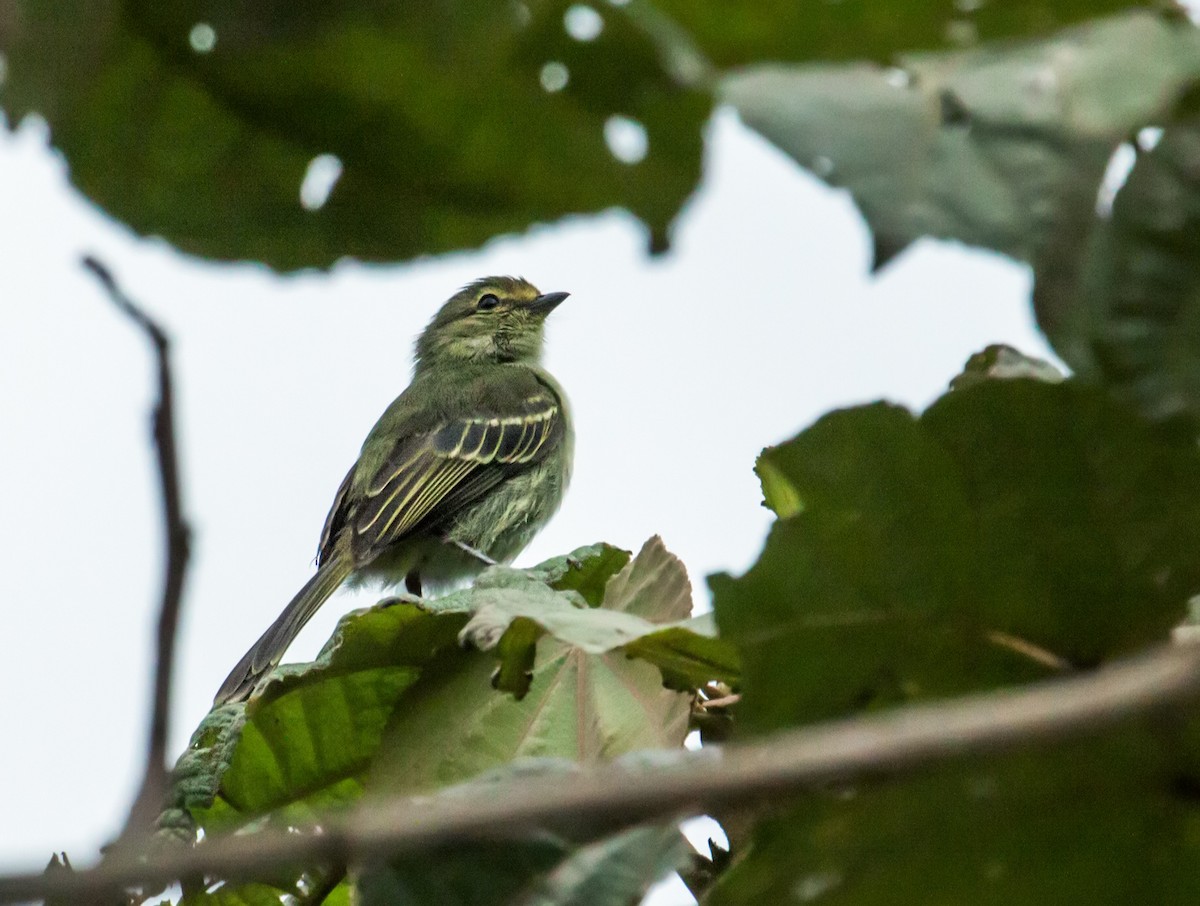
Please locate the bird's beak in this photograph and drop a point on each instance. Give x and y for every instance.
(547, 302)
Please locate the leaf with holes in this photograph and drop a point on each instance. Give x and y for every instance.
(415, 129)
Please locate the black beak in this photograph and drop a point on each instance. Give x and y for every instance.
(547, 302)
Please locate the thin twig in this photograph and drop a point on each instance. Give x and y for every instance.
(148, 804)
(604, 798)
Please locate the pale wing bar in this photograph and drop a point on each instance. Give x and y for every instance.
(429, 473)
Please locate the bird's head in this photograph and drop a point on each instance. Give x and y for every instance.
(496, 319)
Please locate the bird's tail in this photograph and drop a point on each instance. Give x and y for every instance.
(267, 651)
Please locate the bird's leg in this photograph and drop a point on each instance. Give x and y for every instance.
(411, 595)
(477, 554)
(412, 583)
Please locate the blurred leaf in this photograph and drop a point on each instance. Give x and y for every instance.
(537, 870)
(1099, 821)
(737, 32)
(1042, 512)
(198, 120)
(241, 895)
(1002, 362)
(1136, 295)
(998, 146)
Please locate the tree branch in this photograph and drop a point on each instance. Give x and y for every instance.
(604, 798)
(149, 801)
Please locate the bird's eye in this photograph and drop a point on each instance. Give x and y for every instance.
(488, 301)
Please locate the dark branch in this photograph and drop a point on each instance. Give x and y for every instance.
(148, 804)
(605, 798)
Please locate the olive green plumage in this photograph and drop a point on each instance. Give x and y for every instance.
(463, 468)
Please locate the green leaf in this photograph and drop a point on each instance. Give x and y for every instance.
(395, 705)
(616, 871)
(1002, 147)
(1100, 821)
(1136, 294)
(586, 698)
(303, 743)
(438, 117)
(586, 571)
(1004, 363)
(240, 895)
(932, 555)
(738, 32)
(640, 605)
(539, 868)
(306, 741)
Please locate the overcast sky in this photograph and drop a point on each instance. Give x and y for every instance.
(680, 369)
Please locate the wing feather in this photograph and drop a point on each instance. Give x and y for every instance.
(430, 477)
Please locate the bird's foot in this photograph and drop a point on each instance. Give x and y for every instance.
(402, 598)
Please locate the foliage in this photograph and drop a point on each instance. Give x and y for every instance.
(1025, 525)
(399, 700)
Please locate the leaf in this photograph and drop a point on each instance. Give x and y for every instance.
(303, 743)
(1099, 821)
(436, 117)
(1002, 362)
(748, 31)
(1012, 509)
(1136, 294)
(586, 571)
(393, 704)
(999, 147)
(581, 706)
(539, 868)
(641, 602)
(612, 872)
(239, 895)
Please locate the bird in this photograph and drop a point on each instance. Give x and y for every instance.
(460, 472)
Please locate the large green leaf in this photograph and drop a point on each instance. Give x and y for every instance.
(309, 737)
(304, 742)
(1017, 527)
(396, 704)
(931, 556)
(1135, 295)
(999, 146)
(1101, 821)
(197, 120)
(585, 697)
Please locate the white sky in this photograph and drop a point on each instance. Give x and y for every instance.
(680, 370)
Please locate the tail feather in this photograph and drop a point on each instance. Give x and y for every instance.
(268, 650)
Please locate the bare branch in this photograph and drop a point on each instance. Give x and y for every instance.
(149, 801)
(605, 798)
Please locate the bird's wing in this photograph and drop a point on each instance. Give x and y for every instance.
(336, 519)
(430, 477)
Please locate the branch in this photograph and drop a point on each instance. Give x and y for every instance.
(149, 801)
(608, 797)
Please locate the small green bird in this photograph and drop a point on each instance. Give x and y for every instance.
(460, 472)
